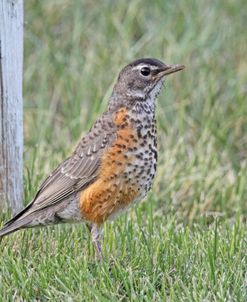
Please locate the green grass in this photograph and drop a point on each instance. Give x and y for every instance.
(188, 240)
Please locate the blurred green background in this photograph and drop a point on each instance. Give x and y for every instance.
(73, 53)
(191, 234)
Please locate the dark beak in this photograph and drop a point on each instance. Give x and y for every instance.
(169, 69)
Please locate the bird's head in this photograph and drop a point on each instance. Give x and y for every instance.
(142, 79)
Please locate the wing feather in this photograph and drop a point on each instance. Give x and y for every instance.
(77, 171)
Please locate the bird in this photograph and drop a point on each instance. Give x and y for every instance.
(114, 164)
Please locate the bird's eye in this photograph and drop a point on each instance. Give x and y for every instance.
(145, 71)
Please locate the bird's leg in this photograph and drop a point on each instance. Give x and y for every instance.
(96, 235)
(89, 227)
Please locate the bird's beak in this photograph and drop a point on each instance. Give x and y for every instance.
(169, 69)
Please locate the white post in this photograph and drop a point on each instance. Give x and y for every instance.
(11, 115)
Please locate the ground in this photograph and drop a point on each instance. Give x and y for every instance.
(187, 241)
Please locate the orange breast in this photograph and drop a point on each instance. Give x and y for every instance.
(112, 191)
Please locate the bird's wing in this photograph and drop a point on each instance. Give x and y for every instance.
(76, 172)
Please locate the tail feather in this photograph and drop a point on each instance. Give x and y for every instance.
(18, 215)
(15, 223)
(33, 219)
(14, 226)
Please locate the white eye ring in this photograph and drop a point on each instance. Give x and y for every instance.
(145, 71)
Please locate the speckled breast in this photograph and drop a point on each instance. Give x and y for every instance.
(142, 152)
(127, 168)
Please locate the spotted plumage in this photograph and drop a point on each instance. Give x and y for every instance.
(114, 164)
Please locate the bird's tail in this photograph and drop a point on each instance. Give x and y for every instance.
(10, 228)
(19, 221)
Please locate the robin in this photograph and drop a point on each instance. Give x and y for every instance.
(114, 164)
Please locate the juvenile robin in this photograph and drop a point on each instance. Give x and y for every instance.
(113, 166)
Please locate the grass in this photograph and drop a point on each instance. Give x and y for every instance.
(188, 240)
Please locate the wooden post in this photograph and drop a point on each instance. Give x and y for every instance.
(11, 115)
